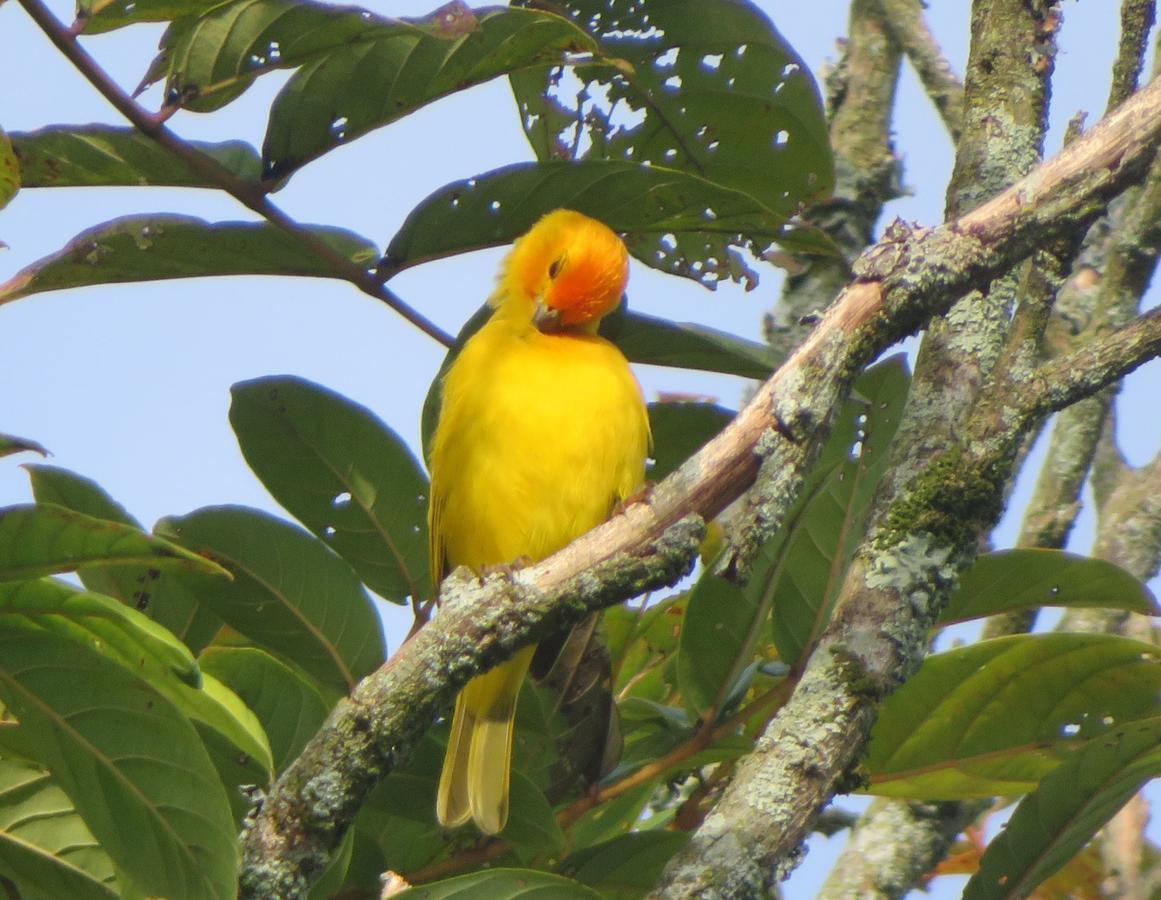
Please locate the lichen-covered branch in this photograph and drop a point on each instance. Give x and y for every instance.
(1136, 22)
(899, 284)
(904, 21)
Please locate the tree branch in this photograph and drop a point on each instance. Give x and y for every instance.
(250, 194)
(900, 284)
(904, 21)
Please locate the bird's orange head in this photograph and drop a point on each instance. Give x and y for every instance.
(570, 269)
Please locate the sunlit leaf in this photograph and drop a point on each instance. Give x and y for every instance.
(102, 155)
(1071, 804)
(133, 766)
(156, 591)
(289, 592)
(411, 63)
(45, 847)
(1019, 579)
(156, 247)
(290, 708)
(236, 741)
(10, 443)
(349, 478)
(994, 717)
(651, 205)
(801, 569)
(706, 86)
(45, 539)
(503, 884)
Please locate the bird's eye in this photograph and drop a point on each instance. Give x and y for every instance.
(555, 266)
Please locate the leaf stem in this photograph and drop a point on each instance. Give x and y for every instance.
(250, 194)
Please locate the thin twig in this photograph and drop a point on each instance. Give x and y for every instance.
(250, 194)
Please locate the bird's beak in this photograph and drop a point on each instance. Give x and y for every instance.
(546, 318)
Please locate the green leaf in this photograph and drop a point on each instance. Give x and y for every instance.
(289, 594)
(651, 205)
(157, 247)
(236, 740)
(802, 567)
(105, 15)
(722, 625)
(45, 848)
(411, 63)
(290, 708)
(60, 487)
(660, 342)
(104, 156)
(45, 539)
(679, 430)
(116, 630)
(503, 884)
(1071, 804)
(9, 170)
(626, 867)
(1010, 580)
(10, 443)
(158, 592)
(993, 718)
(134, 766)
(651, 730)
(704, 86)
(338, 469)
(531, 822)
(607, 821)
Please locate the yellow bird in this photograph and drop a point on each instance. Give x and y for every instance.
(542, 430)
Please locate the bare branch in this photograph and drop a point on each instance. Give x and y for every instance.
(250, 194)
(1136, 22)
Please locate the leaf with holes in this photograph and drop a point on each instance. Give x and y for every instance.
(339, 470)
(326, 103)
(151, 589)
(10, 443)
(104, 156)
(152, 248)
(503, 884)
(290, 593)
(131, 763)
(993, 718)
(45, 539)
(679, 430)
(651, 205)
(706, 87)
(45, 847)
(801, 569)
(1071, 804)
(290, 707)
(1010, 580)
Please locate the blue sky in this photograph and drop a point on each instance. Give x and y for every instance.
(129, 385)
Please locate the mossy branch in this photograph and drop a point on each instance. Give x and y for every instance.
(911, 275)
